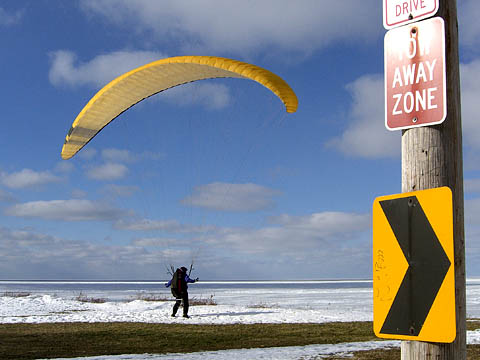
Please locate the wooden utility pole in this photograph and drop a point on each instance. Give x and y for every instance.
(432, 157)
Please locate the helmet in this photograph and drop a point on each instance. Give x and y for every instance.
(183, 268)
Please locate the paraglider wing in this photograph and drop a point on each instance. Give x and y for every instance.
(145, 81)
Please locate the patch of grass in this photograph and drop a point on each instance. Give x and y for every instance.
(33, 341)
(473, 325)
(53, 340)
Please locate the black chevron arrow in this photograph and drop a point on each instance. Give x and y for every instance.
(428, 266)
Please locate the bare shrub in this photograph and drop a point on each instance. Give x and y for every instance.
(262, 305)
(201, 301)
(152, 297)
(16, 294)
(85, 299)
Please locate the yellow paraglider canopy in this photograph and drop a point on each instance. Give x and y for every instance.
(144, 81)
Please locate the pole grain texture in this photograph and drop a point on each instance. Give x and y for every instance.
(432, 157)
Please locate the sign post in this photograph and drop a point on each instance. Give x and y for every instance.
(431, 152)
(432, 157)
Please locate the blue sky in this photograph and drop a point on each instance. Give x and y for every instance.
(216, 171)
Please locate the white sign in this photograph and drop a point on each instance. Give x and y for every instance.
(402, 12)
(415, 89)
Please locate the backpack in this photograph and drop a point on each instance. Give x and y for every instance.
(178, 284)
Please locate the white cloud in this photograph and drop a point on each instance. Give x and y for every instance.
(329, 222)
(319, 240)
(64, 167)
(150, 155)
(104, 68)
(66, 210)
(126, 156)
(155, 242)
(296, 234)
(169, 226)
(66, 70)
(469, 26)
(366, 135)
(287, 233)
(79, 194)
(33, 255)
(6, 197)
(239, 27)
(108, 171)
(472, 185)
(231, 197)
(472, 209)
(118, 155)
(8, 19)
(87, 153)
(27, 178)
(298, 247)
(469, 74)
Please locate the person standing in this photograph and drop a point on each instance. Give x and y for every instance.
(179, 290)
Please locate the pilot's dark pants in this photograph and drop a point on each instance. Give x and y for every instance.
(183, 297)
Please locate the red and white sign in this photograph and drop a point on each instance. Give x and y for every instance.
(402, 12)
(415, 90)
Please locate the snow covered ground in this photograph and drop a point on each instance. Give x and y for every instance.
(48, 308)
(243, 304)
(284, 353)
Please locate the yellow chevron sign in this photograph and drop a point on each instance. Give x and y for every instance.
(413, 266)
